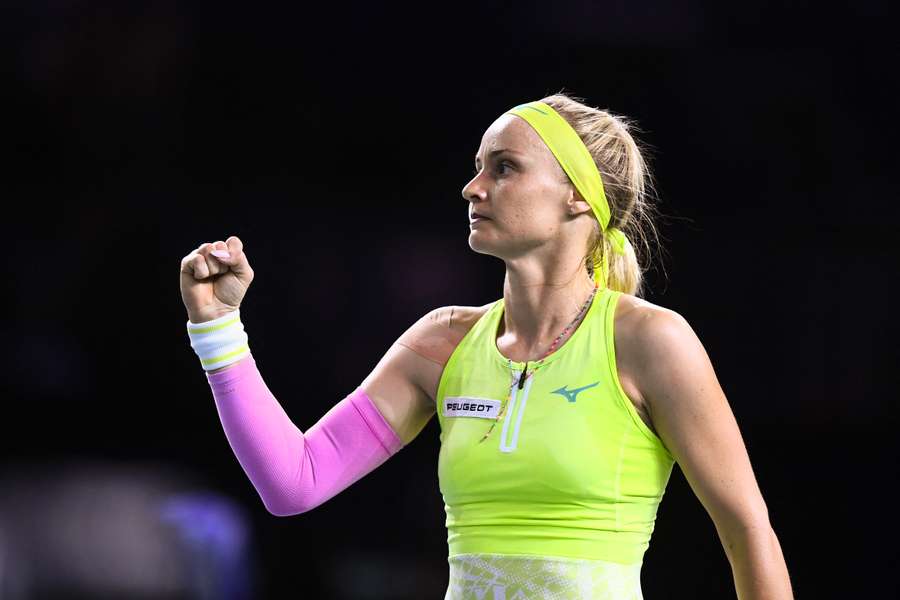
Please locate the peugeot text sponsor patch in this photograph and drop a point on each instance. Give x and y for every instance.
(465, 406)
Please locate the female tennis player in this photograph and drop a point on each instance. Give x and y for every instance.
(562, 405)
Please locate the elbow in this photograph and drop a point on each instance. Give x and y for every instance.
(281, 511)
(751, 527)
(285, 493)
(738, 526)
(744, 536)
(283, 507)
(283, 502)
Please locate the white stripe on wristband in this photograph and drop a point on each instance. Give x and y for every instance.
(219, 342)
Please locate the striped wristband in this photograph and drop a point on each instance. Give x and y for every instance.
(219, 342)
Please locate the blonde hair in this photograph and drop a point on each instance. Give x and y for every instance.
(628, 185)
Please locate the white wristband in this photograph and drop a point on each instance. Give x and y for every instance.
(219, 342)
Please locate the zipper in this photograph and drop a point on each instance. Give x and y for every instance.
(516, 410)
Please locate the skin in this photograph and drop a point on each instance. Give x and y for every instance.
(540, 226)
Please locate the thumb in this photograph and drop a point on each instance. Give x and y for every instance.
(235, 258)
(235, 245)
(228, 254)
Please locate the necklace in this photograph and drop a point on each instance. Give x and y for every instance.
(540, 363)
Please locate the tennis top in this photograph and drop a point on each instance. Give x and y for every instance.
(569, 472)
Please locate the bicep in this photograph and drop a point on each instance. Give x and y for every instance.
(694, 420)
(399, 384)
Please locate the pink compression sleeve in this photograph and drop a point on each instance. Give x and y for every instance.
(294, 471)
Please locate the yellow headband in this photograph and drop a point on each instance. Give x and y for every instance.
(576, 161)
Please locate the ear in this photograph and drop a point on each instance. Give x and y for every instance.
(576, 204)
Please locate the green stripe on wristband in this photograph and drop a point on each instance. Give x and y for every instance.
(213, 327)
(216, 359)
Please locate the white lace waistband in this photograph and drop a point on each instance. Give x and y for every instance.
(527, 577)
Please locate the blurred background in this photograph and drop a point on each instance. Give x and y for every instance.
(334, 141)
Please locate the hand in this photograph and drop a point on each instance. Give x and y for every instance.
(214, 279)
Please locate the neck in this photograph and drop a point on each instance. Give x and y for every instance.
(538, 305)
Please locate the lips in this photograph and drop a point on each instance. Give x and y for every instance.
(475, 215)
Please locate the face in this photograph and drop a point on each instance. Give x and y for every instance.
(523, 192)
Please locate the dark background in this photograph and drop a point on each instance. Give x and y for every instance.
(335, 140)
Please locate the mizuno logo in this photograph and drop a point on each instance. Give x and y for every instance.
(570, 394)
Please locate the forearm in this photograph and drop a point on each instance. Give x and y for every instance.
(757, 563)
(293, 471)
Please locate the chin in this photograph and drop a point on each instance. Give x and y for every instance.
(477, 245)
(482, 246)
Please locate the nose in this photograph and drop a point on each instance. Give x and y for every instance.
(474, 191)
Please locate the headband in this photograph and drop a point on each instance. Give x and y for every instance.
(576, 161)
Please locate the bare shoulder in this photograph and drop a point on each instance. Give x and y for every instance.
(436, 335)
(635, 315)
(403, 385)
(645, 333)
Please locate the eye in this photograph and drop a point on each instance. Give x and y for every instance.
(500, 167)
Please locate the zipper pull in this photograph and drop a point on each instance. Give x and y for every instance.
(522, 376)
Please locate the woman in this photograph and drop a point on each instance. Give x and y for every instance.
(563, 405)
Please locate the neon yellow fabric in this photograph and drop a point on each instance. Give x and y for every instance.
(576, 161)
(570, 470)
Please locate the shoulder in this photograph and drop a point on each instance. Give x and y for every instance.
(437, 333)
(642, 321)
(651, 342)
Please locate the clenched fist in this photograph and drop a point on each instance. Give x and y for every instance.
(214, 279)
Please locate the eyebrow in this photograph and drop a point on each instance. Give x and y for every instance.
(493, 153)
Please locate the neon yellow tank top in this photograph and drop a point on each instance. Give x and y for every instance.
(570, 472)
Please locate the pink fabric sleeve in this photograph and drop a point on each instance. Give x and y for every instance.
(294, 471)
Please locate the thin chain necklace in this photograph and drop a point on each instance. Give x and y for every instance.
(540, 363)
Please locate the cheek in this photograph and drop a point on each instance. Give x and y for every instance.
(533, 219)
(530, 206)
(540, 201)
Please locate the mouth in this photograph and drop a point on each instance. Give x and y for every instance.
(475, 217)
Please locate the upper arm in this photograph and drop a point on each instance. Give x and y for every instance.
(694, 420)
(404, 382)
